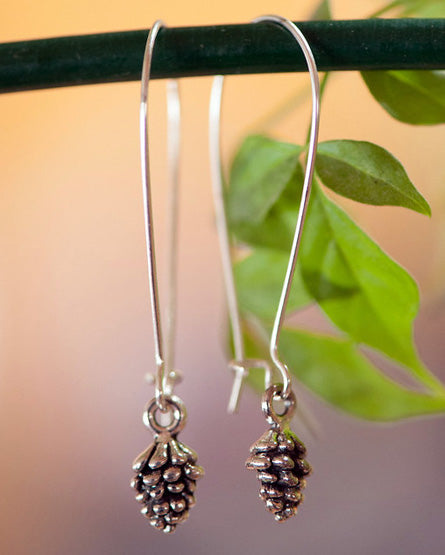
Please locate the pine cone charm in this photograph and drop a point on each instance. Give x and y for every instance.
(165, 480)
(278, 458)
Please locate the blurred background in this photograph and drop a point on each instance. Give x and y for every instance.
(75, 326)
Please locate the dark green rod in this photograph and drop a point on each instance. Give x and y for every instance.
(368, 44)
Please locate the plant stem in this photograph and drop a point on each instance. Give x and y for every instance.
(385, 9)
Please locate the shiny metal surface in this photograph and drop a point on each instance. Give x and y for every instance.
(277, 458)
(166, 471)
(175, 408)
(164, 482)
(221, 221)
(164, 351)
(273, 418)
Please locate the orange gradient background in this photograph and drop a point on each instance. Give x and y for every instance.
(75, 326)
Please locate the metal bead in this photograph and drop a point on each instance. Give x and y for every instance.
(193, 455)
(290, 511)
(140, 497)
(193, 472)
(304, 467)
(286, 444)
(136, 483)
(274, 505)
(294, 496)
(156, 492)
(178, 505)
(258, 462)
(152, 478)
(169, 528)
(266, 477)
(283, 461)
(267, 442)
(191, 501)
(157, 523)
(288, 479)
(177, 455)
(172, 474)
(159, 457)
(274, 492)
(161, 508)
(176, 487)
(140, 461)
(191, 485)
(172, 518)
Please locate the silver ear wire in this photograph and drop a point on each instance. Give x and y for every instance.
(167, 470)
(164, 380)
(242, 365)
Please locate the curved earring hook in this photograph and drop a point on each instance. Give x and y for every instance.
(163, 380)
(221, 222)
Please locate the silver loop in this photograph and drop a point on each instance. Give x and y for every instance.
(273, 418)
(177, 409)
(164, 361)
(242, 369)
(221, 221)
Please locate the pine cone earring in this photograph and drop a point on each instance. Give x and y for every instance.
(166, 472)
(278, 458)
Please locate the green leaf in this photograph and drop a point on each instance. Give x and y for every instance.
(260, 172)
(381, 299)
(265, 186)
(422, 8)
(259, 280)
(367, 173)
(322, 11)
(334, 369)
(416, 97)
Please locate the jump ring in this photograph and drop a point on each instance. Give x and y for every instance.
(273, 418)
(177, 409)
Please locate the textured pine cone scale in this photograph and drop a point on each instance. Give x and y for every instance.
(278, 458)
(165, 481)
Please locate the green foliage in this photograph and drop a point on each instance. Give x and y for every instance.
(420, 8)
(367, 173)
(322, 11)
(257, 204)
(416, 97)
(365, 294)
(370, 300)
(377, 300)
(338, 373)
(259, 279)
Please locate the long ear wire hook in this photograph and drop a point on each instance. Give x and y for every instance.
(221, 222)
(164, 379)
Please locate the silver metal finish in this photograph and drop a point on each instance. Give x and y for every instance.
(177, 411)
(278, 459)
(166, 471)
(164, 363)
(165, 479)
(273, 418)
(241, 369)
(214, 143)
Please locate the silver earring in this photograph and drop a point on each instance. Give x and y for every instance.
(278, 456)
(165, 472)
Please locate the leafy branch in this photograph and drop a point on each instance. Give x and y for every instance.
(370, 300)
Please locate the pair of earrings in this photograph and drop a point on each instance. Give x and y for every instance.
(166, 472)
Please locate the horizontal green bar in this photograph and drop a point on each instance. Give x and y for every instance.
(369, 44)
